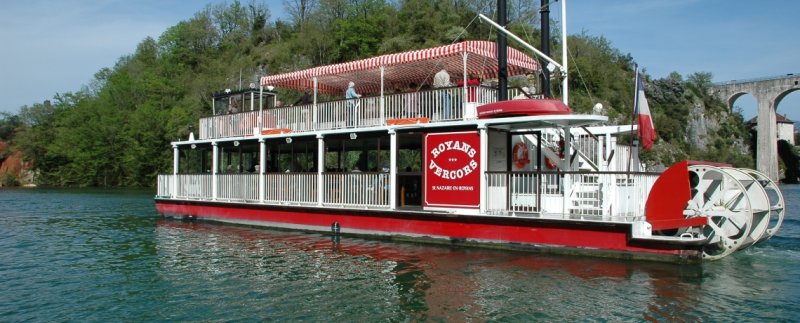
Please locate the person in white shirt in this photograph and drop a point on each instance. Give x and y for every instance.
(442, 80)
(351, 96)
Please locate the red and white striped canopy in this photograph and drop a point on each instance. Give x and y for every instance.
(401, 69)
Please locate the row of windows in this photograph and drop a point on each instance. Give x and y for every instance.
(365, 153)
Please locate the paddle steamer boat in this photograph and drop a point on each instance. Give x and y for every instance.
(454, 165)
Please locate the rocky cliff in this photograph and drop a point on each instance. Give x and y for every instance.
(14, 171)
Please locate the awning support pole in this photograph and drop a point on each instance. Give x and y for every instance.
(215, 167)
(262, 161)
(320, 168)
(316, 117)
(383, 104)
(175, 159)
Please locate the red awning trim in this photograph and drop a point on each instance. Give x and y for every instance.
(416, 66)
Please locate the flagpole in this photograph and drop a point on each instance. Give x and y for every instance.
(633, 114)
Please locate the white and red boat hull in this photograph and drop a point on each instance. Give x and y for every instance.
(553, 236)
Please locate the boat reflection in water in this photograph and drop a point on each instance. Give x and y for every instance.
(244, 272)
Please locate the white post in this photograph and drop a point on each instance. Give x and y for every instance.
(565, 71)
(260, 109)
(320, 168)
(175, 159)
(392, 169)
(316, 114)
(484, 166)
(382, 104)
(262, 161)
(612, 146)
(214, 167)
(464, 104)
(566, 165)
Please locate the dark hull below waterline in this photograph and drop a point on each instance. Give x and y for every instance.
(608, 240)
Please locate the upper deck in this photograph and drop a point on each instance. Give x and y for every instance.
(390, 87)
(426, 106)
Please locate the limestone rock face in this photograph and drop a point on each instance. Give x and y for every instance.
(13, 169)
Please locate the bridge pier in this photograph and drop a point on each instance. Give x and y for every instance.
(767, 138)
(768, 93)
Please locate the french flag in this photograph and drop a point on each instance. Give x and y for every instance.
(647, 131)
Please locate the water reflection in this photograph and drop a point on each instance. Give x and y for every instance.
(292, 275)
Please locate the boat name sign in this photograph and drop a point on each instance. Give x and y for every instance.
(452, 178)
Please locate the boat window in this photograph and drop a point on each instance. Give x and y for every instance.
(409, 153)
(194, 161)
(365, 153)
(297, 156)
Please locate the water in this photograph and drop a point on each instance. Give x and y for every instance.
(91, 255)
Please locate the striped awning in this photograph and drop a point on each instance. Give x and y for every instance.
(401, 69)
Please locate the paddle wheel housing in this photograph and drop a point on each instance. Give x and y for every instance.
(729, 208)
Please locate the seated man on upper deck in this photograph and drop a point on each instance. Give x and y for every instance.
(306, 98)
(233, 106)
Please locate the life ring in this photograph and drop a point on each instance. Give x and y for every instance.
(520, 155)
(549, 163)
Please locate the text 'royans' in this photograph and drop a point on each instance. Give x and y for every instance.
(453, 145)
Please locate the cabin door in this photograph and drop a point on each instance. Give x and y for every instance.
(409, 170)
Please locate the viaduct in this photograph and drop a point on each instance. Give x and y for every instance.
(769, 92)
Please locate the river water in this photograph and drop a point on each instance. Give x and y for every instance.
(93, 255)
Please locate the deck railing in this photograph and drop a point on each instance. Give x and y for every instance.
(437, 105)
(193, 186)
(363, 190)
(291, 188)
(593, 195)
(356, 189)
(237, 187)
(602, 196)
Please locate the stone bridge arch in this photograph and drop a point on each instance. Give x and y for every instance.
(769, 92)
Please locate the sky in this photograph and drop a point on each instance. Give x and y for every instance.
(52, 47)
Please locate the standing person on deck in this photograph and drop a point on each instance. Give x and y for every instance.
(442, 80)
(351, 96)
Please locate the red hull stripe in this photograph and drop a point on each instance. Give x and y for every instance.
(613, 237)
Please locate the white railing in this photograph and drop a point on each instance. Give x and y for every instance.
(228, 125)
(296, 118)
(194, 186)
(356, 189)
(291, 188)
(603, 195)
(164, 186)
(625, 159)
(609, 196)
(588, 145)
(445, 104)
(341, 189)
(235, 187)
(511, 192)
(361, 112)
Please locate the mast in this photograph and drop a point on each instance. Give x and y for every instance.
(544, 11)
(502, 44)
(550, 62)
(564, 61)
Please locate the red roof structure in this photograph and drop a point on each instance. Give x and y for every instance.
(417, 66)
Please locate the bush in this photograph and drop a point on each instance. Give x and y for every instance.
(9, 180)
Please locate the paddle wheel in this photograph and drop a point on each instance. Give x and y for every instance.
(731, 208)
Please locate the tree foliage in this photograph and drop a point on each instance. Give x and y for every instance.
(117, 131)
